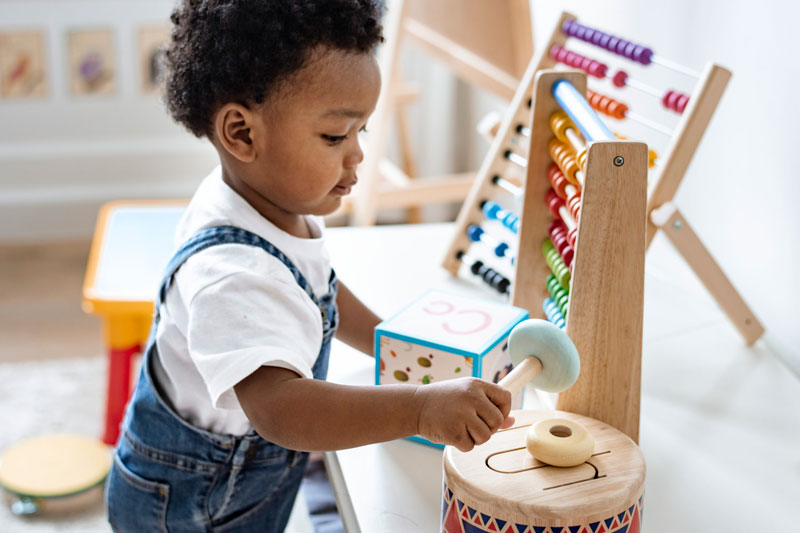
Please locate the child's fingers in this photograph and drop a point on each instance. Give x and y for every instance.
(491, 415)
(478, 430)
(463, 442)
(500, 397)
(507, 423)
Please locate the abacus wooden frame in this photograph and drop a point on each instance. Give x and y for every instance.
(606, 297)
(662, 213)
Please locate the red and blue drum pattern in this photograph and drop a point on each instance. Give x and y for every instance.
(457, 517)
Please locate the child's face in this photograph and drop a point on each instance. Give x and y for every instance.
(307, 153)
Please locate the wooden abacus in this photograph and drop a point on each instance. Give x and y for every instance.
(607, 278)
(696, 111)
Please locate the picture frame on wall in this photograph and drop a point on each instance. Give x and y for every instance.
(23, 73)
(153, 41)
(92, 62)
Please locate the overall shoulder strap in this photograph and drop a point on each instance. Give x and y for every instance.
(226, 235)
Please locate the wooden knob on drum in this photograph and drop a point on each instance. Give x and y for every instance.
(543, 355)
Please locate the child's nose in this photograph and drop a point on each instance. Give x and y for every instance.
(355, 156)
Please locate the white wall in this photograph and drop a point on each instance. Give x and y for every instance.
(64, 155)
(740, 193)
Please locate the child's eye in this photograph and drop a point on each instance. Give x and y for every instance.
(334, 139)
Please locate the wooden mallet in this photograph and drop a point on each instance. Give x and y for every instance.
(544, 356)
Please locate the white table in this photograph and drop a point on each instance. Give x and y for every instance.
(720, 424)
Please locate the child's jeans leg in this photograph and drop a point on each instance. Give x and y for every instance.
(319, 497)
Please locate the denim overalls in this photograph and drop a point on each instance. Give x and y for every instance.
(170, 475)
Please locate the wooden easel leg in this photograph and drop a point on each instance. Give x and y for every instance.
(409, 163)
(670, 220)
(365, 209)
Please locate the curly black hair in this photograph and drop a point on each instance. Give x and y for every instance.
(240, 50)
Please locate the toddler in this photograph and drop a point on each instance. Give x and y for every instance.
(232, 394)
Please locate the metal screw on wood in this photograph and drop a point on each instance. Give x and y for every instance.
(677, 224)
(619, 161)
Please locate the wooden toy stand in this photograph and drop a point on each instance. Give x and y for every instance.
(606, 297)
(487, 44)
(607, 290)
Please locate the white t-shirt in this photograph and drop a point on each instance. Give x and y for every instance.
(233, 308)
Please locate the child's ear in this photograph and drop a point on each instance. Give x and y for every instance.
(233, 126)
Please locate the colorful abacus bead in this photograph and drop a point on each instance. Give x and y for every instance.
(556, 264)
(558, 236)
(559, 294)
(554, 203)
(675, 101)
(559, 122)
(565, 159)
(572, 236)
(492, 277)
(606, 105)
(581, 158)
(477, 234)
(574, 206)
(495, 211)
(553, 314)
(615, 45)
(557, 180)
(567, 57)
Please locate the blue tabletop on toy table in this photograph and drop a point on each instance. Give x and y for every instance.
(137, 242)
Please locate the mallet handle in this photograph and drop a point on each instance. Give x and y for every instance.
(521, 375)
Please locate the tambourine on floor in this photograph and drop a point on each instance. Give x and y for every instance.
(54, 473)
(500, 487)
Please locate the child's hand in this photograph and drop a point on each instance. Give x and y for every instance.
(462, 412)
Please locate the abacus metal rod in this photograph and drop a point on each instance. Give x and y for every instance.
(574, 139)
(577, 145)
(649, 123)
(516, 159)
(508, 186)
(566, 217)
(672, 65)
(477, 234)
(643, 87)
(580, 112)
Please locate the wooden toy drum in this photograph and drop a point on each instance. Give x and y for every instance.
(500, 487)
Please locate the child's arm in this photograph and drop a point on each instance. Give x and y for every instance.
(309, 414)
(356, 321)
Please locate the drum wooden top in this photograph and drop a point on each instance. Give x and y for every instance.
(503, 476)
(54, 465)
